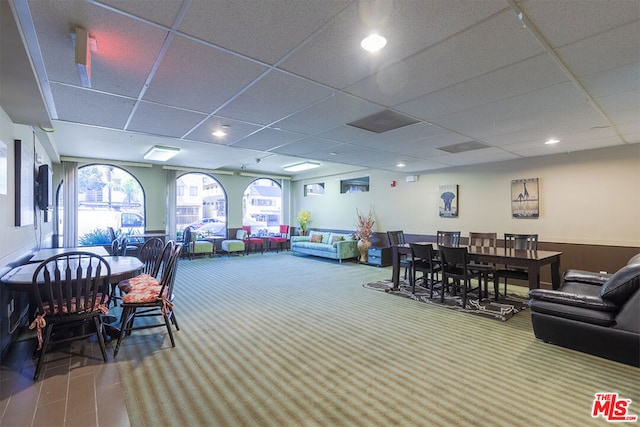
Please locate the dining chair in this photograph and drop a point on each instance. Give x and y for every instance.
(151, 300)
(396, 238)
(281, 239)
(425, 261)
(155, 261)
(514, 242)
(252, 241)
(456, 266)
(151, 254)
(478, 241)
(448, 238)
(70, 293)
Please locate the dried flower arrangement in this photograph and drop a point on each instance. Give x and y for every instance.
(365, 225)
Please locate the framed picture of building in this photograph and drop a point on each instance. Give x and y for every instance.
(448, 201)
(525, 198)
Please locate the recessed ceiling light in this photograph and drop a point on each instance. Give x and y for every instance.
(400, 165)
(333, 153)
(219, 134)
(552, 141)
(373, 43)
(301, 167)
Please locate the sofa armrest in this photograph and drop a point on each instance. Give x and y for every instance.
(589, 277)
(347, 249)
(575, 300)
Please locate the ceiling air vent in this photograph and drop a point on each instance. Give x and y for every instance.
(462, 147)
(383, 121)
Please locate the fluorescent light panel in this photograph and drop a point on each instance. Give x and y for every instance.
(299, 167)
(161, 153)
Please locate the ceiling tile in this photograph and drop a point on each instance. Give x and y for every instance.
(274, 97)
(98, 108)
(264, 35)
(266, 139)
(488, 46)
(160, 120)
(328, 114)
(198, 85)
(235, 130)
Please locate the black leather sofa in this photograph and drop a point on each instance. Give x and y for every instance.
(593, 313)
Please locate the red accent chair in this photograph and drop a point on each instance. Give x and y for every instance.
(281, 240)
(252, 241)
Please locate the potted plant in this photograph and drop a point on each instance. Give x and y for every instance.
(304, 217)
(363, 233)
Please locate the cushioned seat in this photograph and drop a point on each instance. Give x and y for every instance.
(235, 245)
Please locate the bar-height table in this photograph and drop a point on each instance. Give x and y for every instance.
(531, 260)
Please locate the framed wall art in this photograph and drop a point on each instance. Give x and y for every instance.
(525, 198)
(24, 176)
(448, 201)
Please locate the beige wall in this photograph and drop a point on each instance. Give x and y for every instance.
(590, 197)
(14, 241)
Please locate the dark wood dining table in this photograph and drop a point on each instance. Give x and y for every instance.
(531, 260)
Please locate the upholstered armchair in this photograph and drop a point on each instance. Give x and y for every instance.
(235, 245)
(593, 313)
(195, 246)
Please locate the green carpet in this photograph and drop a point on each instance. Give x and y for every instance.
(284, 340)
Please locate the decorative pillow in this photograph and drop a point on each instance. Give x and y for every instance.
(336, 238)
(315, 238)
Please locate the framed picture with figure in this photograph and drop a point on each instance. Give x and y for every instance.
(525, 200)
(448, 201)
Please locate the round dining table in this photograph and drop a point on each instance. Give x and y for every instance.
(122, 267)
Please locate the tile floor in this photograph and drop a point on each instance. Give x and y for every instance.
(76, 388)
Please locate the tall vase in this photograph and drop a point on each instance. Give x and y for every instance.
(363, 247)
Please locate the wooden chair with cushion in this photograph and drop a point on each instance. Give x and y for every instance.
(71, 293)
(457, 267)
(424, 260)
(280, 240)
(149, 299)
(481, 241)
(515, 242)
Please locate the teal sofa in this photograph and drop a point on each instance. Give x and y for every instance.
(331, 245)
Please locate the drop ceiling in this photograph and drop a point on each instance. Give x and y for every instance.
(285, 78)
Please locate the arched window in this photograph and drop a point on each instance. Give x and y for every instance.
(108, 196)
(262, 206)
(201, 203)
